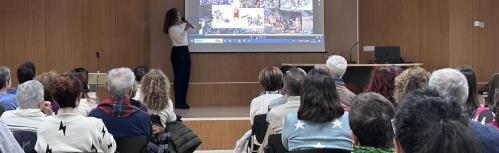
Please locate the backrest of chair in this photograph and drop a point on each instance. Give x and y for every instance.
(275, 144)
(135, 144)
(321, 151)
(259, 127)
(26, 139)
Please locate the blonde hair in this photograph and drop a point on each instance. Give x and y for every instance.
(46, 80)
(155, 90)
(402, 81)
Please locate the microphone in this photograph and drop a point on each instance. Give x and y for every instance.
(183, 20)
(350, 57)
(98, 71)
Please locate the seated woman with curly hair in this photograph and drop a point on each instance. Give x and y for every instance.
(69, 131)
(411, 79)
(155, 91)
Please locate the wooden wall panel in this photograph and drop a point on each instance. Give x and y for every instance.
(435, 33)
(222, 94)
(130, 34)
(219, 135)
(99, 33)
(391, 23)
(64, 35)
(485, 41)
(461, 35)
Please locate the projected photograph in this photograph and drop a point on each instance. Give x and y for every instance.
(297, 4)
(216, 2)
(251, 3)
(271, 4)
(228, 16)
(288, 22)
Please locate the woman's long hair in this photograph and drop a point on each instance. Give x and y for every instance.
(155, 90)
(382, 81)
(170, 19)
(472, 101)
(319, 101)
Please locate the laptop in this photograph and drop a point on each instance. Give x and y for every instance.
(387, 54)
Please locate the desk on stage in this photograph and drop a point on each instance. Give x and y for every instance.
(356, 74)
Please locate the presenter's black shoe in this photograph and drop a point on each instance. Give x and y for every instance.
(182, 106)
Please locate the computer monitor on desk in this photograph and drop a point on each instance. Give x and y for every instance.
(387, 55)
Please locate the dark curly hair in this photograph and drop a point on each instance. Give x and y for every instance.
(427, 122)
(66, 90)
(319, 101)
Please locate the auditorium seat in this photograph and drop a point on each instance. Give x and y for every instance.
(275, 144)
(135, 144)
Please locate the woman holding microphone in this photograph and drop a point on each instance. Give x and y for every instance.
(177, 28)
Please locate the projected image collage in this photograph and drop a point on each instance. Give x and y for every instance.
(256, 17)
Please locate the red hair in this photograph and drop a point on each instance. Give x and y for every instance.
(382, 81)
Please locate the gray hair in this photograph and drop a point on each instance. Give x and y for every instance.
(4, 76)
(29, 94)
(450, 83)
(337, 65)
(120, 81)
(292, 81)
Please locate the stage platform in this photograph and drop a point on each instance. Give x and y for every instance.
(218, 127)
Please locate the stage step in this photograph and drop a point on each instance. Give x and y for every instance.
(218, 127)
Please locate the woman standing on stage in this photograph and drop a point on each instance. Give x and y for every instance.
(177, 28)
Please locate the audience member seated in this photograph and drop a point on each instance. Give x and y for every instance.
(46, 80)
(25, 72)
(427, 122)
(8, 143)
(140, 71)
(120, 116)
(370, 122)
(281, 100)
(409, 80)
(321, 121)
(452, 84)
(382, 81)
(292, 87)
(472, 100)
(7, 101)
(484, 113)
(32, 110)
(271, 80)
(89, 99)
(155, 92)
(337, 66)
(69, 131)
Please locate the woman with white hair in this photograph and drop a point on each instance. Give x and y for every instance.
(337, 67)
(32, 109)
